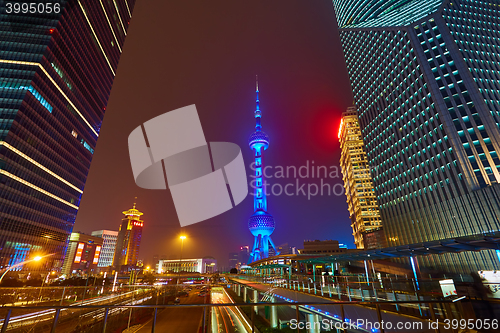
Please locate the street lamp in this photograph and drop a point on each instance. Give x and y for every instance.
(182, 238)
(37, 258)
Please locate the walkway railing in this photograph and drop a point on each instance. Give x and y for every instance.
(438, 310)
(118, 311)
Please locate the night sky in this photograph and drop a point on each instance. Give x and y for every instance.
(207, 53)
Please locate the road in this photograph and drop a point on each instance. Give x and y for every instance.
(181, 320)
(72, 317)
(225, 319)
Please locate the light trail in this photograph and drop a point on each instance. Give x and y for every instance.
(33, 316)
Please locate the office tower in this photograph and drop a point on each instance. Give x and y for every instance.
(56, 73)
(284, 249)
(83, 254)
(244, 255)
(425, 80)
(361, 201)
(129, 240)
(233, 260)
(261, 223)
(108, 246)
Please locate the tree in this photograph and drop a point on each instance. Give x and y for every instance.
(233, 271)
(149, 278)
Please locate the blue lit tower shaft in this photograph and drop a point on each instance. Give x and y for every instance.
(261, 223)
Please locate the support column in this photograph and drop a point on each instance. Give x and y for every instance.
(314, 273)
(416, 271)
(367, 275)
(245, 294)
(274, 315)
(239, 290)
(256, 300)
(314, 323)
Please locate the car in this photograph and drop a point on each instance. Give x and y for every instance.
(202, 294)
(177, 300)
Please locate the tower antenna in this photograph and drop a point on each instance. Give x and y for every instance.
(261, 223)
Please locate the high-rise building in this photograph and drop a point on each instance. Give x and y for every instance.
(56, 72)
(361, 200)
(425, 77)
(83, 254)
(244, 255)
(233, 260)
(109, 238)
(284, 249)
(261, 223)
(129, 239)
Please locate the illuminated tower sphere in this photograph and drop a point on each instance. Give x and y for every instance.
(261, 223)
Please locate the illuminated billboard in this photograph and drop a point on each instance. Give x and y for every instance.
(96, 254)
(79, 251)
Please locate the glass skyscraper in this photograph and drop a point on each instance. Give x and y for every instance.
(425, 75)
(57, 65)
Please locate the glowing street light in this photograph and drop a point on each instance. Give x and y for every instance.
(37, 258)
(182, 238)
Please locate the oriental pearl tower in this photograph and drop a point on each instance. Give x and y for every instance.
(261, 223)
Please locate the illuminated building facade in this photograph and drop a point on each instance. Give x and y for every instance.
(56, 73)
(261, 223)
(425, 77)
(83, 254)
(128, 242)
(202, 266)
(109, 238)
(361, 200)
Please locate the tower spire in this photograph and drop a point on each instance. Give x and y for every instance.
(135, 200)
(257, 112)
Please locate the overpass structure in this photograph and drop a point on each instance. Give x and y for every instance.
(478, 242)
(324, 307)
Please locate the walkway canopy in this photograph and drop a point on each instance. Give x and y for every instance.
(272, 266)
(486, 241)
